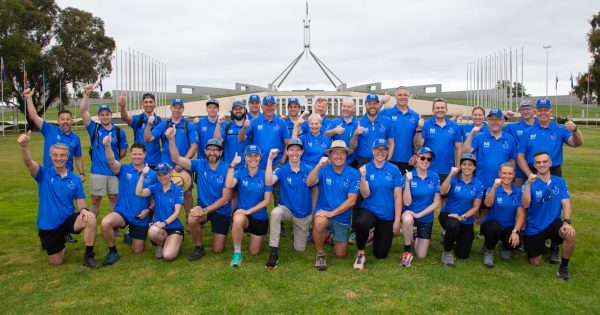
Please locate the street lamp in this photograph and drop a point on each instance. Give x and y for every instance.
(547, 47)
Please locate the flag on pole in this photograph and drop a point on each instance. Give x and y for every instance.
(2, 67)
(100, 84)
(556, 84)
(571, 80)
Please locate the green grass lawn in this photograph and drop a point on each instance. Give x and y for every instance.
(140, 283)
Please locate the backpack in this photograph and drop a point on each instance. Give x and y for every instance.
(117, 130)
(185, 128)
(140, 123)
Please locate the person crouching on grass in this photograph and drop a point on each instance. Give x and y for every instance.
(166, 231)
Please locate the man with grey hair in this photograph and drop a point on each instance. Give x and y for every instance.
(321, 106)
(343, 128)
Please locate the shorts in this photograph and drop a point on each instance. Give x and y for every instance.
(53, 241)
(340, 231)
(534, 244)
(257, 227)
(178, 231)
(422, 230)
(219, 223)
(100, 185)
(138, 232)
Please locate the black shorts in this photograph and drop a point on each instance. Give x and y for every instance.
(257, 227)
(219, 223)
(534, 244)
(422, 230)
(178, 231)
(138, 232)
(403, 166)
(53, 241)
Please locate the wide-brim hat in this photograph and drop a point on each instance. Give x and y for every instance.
(338, 145)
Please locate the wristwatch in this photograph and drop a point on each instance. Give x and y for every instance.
(567, 220)
(463, 217)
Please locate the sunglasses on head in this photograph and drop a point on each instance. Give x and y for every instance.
(423, 158)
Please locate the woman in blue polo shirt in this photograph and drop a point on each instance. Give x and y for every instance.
(465, 193)
(478, 117)
(254, 196)
(421, 197)
(381, 187)
(166, 231)
(504, 201)
(315, 142)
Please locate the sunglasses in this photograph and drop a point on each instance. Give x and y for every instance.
(424, 158)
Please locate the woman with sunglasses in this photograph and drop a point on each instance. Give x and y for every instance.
(504, 201)
(254, 196)
(420, 197)
(166, 231)
(465, 193)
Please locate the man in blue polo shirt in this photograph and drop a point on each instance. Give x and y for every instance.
(338, 189)
(102, 179)
(227, 132)
(370, 127)
(130, 210)
(294, 114)
(492, 147)
(518, 129)
(544, 196)
(296, 199)
(253, 106)
(206, 126)
(321, 107)
(343, 128)
(139, 122)
(405, 122)
(57, 189)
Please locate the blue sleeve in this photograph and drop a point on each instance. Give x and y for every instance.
(436, 183)
(46, 128)
(268, 188)
(457, 136)
(475, 142)
(194, 165)
(285, 132)
(390, 130)
(425, 131)
(250, 129)
(153, 188)
(522, 148)
(77, 147)
(564, 190)
(236, 176)
(354, 182)
(479, 194)
(90, 128)
(40, 174)
(519, 194)
(159, 129)
(566, 134)
(80, 193)
(398, 178)
(193, 133)
(124, 144)
(134, 122)
(179, 196)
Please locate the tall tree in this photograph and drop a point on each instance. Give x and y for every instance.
(593, 73)
(514, 88)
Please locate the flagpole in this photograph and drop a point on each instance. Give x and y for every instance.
(571, 98)
(44, 90)
(556, 97)
(587, 120)
(25, 107)
(3, 104)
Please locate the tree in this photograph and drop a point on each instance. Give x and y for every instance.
(107, 95)
(581, 89)
(57, 46)
(516, 88)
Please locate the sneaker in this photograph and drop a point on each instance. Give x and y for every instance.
(273, 260)
(127, 239)
(158, 252)
(359, 262)
(442, 236)
(321, 263)
(110, 259)
(90, 261)
(504, 254)
(555, 256)
(197, 253)
(70, 239)
(370, 238)
(563, 273)
(236, 260)
(406, 258)
(448, 259)
(488, 258)
(352, 238)
(480, 237)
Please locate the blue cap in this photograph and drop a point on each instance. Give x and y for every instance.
(525, 104)
(254, 98)
(293, 100)
(496, 112)
(380, 143)
(372, 97)
(237, 103)
(424, 150)
(469, 156)
(252, 149)
(269, 99)
(543, 102)
(212, 101)
(214, 142)
(177, 101)
(295, 141)
(104, 107)
(163, 168)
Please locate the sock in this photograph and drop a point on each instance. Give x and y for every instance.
(564, 262)
(407, 248)
(274, 250)
(112, 249)
(237, 249)
(89, 250)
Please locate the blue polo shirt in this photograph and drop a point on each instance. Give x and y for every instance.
(231, 146)
(129, 205)
(99, 164)
(349, 129)
(466, 129)
(380, 128)
(441, 141)
(305, 128)
(153, 154)
(210, 184)
(251, 191)
(551, 139)
(504, 209)
(206, 131)
(461, 196)
(268, 135)
(182, 142)
(546, 203)
(251, 117)
(314, 147)
(491, 153)
(423, 192)
(52, 135)
(517, 130)
(294, 193)
(334, 189)
(56, 195)
(382, 182)
(405, 128)
(164, 203)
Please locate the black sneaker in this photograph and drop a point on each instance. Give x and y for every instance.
(127, 239)
(70, 239)
(273, 260)
(563, 273)
(90, 261)
(197, 254)
(554, 256)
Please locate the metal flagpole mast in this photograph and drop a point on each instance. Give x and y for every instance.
(3, 104)
(516, 78)
(556, 97)
(571, 98)
(43, 91)
(510, 81)
(467, 84)
(522, 75)
(587, 115)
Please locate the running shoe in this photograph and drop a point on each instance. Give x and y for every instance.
(563, 273)
(448, 259)
(554, 256)
(321, 263)
(70, 239)
(90, 261)
(110, 259)
(197, 253)
(504, 254)
(352, 238)
(359, 262)
(273, 260)
(488, 258)
(158, 252)
(236, 260)
(406, 259)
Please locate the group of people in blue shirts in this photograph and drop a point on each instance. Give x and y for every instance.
(334, 179)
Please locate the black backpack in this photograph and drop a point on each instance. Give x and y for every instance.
(96, 138)
(185, 127)
(140, 123)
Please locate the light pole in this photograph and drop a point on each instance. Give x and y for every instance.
(547, 47)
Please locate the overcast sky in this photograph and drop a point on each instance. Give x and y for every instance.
(218, 43)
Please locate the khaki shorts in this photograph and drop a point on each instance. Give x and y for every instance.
(100, 185)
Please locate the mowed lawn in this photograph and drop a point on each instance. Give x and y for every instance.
(140, 283)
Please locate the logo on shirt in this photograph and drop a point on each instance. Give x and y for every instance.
(259, 127)
(261, 184)
(388, 176)
(70, 184)
(230, 132)
(204, 174)
(346, 182)
(52, 180)
(220, 179)
(276, 127)
(58, 137)
(532, 136)
(499, 200)
(394, 118)
(381, 128)
(553, 136)
(328, 181)
(310, 144)
(147, 180)
(555, 190)
(515, 202)
(539, 193)
(473, 191)
(519, 132)
(245, 183)
(450, 130)
(372, 177)
(289, 180)
(505, 145)
(204, 128)
(412, 119)
(457, 188)
(486, 144)
(430, 184)
(431, 130)
(172, 199)
(129, 176)
(324, 145)
(413, 184)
